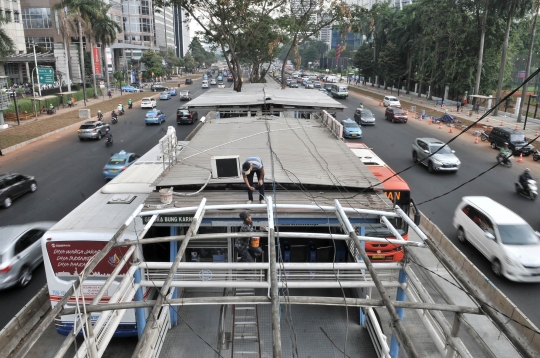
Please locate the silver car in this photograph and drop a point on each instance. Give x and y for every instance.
(92, 130)
(364, 117)
(444, 160)
(20, 252)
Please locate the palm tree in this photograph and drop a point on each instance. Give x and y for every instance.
(68, 28)
(7, 46)
(105, 31)
(513, 8)
(82, 12)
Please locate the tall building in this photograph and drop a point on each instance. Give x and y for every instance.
(182, 36)
(164, 36)
(12, 12)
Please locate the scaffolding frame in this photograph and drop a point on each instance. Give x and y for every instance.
(366, 274)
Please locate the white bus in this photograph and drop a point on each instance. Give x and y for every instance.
(69, 244)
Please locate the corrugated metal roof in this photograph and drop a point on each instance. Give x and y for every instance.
(305, 153)
(280, 98)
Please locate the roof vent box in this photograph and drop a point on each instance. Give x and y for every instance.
(226, 166)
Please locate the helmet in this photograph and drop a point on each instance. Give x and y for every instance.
(527, 170)
(99, 111)
(505, 144)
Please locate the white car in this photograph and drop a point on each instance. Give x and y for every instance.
(213, 82)
(502, 236)
(391, 101)
(148, 102)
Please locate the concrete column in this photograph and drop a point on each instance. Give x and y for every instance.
(518, 104)
(416, 88)
(446, 89)
(28, 74)
(489, 102)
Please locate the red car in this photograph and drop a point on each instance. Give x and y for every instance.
(395, 114)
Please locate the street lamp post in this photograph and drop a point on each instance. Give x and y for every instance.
(37, 72)
(527, 113)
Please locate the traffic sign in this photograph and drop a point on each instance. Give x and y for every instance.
(46, 75)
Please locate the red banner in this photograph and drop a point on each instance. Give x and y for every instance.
(97, 61)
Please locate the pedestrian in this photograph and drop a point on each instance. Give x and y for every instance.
(251, 166)
(109, 94)
(477, 107)
(248, 248)
(458, 106)
(70, 103)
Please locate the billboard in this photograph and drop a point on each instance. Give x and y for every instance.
(109, 59)
(97, 60)
(68, 258)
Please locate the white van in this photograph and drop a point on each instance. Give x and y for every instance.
(339, 91)
(204, 84)
(502, 236)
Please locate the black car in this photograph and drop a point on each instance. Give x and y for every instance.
(184, 115)
(135, 84)
(517, 142)
(328, 86)
(159, 88)
(189, 81)
(14, 185)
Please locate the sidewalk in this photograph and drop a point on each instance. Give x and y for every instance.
(34, 129)
(410, 100)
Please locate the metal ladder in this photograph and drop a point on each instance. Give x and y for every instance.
(245, 336)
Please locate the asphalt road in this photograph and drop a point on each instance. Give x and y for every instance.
(393, 143)
(68, 171)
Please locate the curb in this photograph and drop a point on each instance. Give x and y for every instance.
(20, 145)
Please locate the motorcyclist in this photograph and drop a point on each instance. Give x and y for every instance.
(99, 114)
(361, 105)
(130, 103)
(109, 137)
(505, 152)
(120, 108)
(524, 179)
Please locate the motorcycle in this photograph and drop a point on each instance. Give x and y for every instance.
(100, 116)
(536, 155)
(114, 119)
(484, 136)
(108, 142)
(121, 111)
(530, 193)
(505, 160)
(130, 106)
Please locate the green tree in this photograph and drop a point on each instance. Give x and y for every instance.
(230, 25)
(105, 30)
(510, 8)
(82, 12)
(363, 60)
(7, 46)
(153, 63)
(190, 62)
(171, 60)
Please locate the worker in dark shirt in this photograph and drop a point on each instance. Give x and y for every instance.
(243, 245)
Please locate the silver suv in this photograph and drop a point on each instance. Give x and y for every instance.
(443, 160)
(20, 252)
(92, 130)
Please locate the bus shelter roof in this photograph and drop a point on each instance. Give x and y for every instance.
(480, 96)
(65, 93)
(44, 98)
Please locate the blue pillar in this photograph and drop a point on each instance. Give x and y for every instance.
(400, 296)
(173, 252)
(140, 318)
(362, 232)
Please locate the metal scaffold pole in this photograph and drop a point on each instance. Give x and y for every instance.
(396, 321)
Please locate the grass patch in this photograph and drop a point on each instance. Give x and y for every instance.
(33, 128)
